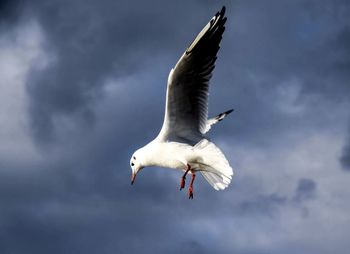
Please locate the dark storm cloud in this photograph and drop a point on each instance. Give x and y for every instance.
(345, 157)
(305, 190)
(270, 204)
(9, 11)
(343, 45)
(263, 204)
(78, 198)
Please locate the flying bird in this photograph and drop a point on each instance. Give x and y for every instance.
(182, 142)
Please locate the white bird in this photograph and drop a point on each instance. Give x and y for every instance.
(182, 143)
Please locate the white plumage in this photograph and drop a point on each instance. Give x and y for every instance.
(181, 143)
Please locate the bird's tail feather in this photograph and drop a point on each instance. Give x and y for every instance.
(213, 165)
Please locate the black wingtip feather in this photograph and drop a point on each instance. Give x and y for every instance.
(228, 111)
(221, 116)
(222, 12)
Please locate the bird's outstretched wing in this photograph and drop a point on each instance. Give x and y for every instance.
(186, 109)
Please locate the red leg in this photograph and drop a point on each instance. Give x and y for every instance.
(183, 178)
(190, 189)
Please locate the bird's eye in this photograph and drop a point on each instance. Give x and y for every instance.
(132, 164)
(134, 158)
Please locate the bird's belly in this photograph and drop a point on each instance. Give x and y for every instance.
(175, 156)
(174, 163)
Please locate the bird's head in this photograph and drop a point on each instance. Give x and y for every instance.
(136, 164)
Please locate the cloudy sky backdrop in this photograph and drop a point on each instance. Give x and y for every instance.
(83, 85)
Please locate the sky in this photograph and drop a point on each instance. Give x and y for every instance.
(83, 86)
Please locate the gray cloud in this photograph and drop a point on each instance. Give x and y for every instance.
(263, 204)
(8, 11)
(305, 190)
(345, 157)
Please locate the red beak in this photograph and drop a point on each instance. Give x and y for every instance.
(133, 177)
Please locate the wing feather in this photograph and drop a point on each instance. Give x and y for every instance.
(186, 110)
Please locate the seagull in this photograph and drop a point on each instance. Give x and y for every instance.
(182, 142)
